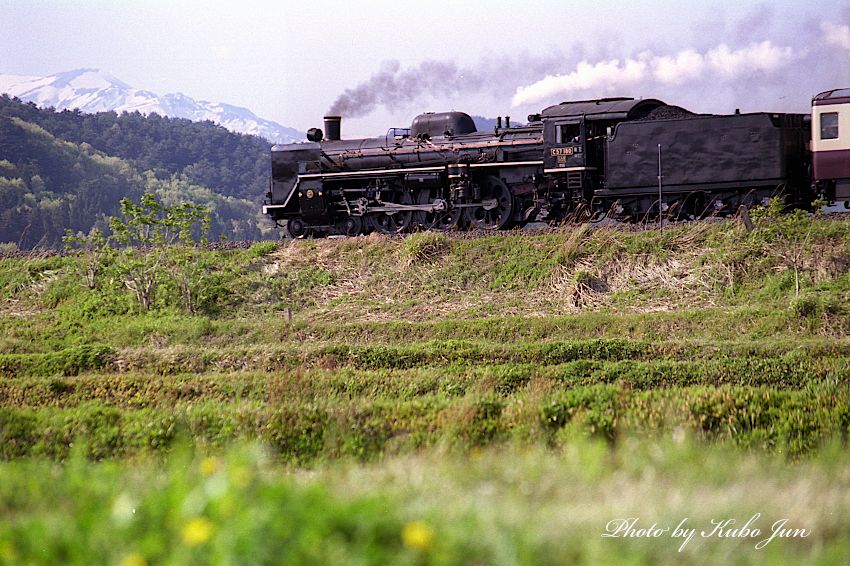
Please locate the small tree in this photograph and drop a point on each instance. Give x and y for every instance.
(188, 274)
(788, 234)
(93, 249)
(147, 230)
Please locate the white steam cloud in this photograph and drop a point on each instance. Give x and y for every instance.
(720, 63)
(838, 35)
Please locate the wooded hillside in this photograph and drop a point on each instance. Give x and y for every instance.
(69, 170)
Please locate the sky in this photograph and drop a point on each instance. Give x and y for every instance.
(382, 62)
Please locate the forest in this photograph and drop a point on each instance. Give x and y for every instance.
(70, 170)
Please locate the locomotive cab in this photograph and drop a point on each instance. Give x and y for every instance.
(574, 136)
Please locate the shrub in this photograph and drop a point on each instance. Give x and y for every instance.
(261, 249)
(425, 247)
(70, 361)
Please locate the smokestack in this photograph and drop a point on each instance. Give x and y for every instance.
(499, 123)
(332, 127)
(507, 121)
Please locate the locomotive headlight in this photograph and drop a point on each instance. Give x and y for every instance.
(309, 193)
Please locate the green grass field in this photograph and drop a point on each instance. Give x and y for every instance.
(434, 400)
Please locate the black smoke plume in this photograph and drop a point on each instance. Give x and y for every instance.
(394, 87)
(391, 86)
(749, 63)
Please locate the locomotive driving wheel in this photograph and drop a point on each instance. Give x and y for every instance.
(394, 222)
(351, 226)
(295, 228)
(440, 221)
(492, 217)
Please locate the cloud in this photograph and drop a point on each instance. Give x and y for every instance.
(720, 63)
(837, 35)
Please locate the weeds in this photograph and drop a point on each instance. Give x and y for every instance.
(578, 369)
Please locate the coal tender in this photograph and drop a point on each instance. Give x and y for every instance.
(617, 156)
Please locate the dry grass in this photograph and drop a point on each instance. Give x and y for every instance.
(429, 276)
(377, 278)
(667, 283)
(19, 309)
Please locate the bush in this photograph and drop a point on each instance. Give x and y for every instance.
(70, 361)
(261, 249)
(425, 247)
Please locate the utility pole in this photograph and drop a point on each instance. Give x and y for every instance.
(660, 194)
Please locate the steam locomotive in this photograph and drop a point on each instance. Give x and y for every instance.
(617, 156)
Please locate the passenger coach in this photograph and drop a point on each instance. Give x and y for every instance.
(831, 144)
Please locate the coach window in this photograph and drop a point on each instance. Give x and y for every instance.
(829, 126)
(568, 133)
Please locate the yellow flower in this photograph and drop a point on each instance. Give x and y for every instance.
(209, 466)
(134, 559)
(197, 531)
(417, 535)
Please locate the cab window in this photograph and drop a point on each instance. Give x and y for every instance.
(567, 133)
(829, 126)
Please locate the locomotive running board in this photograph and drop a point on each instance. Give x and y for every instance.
(568, 169)
(415, 170)
(507, 164)
(294, 188)
(370, 172)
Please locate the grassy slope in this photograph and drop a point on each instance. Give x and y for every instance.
(413, 354)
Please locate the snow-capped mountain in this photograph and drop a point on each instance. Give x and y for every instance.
(92, 90)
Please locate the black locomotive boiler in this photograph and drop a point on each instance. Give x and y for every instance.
(573, 159)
